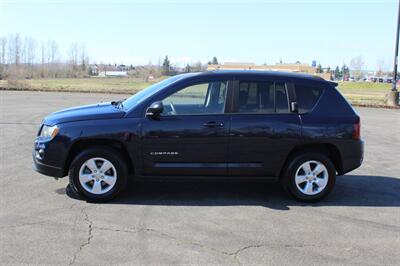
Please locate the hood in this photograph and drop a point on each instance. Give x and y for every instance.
(85, 112)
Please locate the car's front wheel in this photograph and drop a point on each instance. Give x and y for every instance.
(309, 176)
(98, 174)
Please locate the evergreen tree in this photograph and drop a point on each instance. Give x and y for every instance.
(166, 66)
(319, 68)
(345, 72)
(337, 73)
(215, 60)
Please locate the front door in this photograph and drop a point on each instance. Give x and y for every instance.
(190, 137)
(263, 130)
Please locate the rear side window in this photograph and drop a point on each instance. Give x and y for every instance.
(262, 97)
(307, 97)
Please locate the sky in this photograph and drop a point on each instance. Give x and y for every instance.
(258, 31)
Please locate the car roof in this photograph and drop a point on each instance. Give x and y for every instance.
(263, 73)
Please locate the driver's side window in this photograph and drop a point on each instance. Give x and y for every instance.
(202, 98)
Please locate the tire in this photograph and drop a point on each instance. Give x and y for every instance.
(304, 181)
(98, 174)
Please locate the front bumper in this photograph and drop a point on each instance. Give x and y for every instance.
(46, 169)
(47, 159)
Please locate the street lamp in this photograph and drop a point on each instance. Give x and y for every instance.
(393, 97)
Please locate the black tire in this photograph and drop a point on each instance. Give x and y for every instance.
(107, 153)
(288, 178)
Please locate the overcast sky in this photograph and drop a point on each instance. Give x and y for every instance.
(331, 32)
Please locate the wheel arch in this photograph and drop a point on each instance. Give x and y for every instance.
(329, 150)
(83, 144)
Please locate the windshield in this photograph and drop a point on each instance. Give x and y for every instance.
(142, 95)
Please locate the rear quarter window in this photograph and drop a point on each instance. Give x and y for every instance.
(307, 96)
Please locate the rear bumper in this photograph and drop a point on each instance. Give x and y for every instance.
(352, 157)
(45, 169)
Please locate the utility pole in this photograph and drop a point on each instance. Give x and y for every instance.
(396, 50)
(393, 96)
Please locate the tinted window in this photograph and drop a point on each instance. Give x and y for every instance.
(204, 98)
(150, 91)
(281, 100)
(262, 97)
(307, 97)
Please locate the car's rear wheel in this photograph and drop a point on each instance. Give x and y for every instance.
(98, 174)
(309, 177)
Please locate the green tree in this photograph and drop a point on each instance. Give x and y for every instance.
(166, 66)
(345, 72)
(319, 68)
(215, 60)
(337, 73)
(188, 68)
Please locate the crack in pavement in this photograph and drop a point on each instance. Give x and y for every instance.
(234, 255)
(90, 236)
(22, 225)
(162, 234)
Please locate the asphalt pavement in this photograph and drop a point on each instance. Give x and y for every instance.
(42, 222)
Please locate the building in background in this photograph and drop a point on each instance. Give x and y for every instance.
(104, 74)
(287, 67)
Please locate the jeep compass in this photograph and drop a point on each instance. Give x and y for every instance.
(290, 128)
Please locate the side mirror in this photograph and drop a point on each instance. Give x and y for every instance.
(294, 107)
(155, 109)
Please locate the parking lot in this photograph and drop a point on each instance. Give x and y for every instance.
(194, 223)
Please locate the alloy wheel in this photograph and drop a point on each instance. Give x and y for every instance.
(97, 175)
(311, 178)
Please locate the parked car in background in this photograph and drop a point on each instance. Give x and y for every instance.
(373, 79)
(388, 79)
(235, 125)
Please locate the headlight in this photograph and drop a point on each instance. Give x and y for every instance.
(49, 132)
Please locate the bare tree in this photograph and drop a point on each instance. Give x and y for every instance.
(197, 67)
(10, 50)
(3, 47)
(43, 53)
(17, 49)
(31, 46)
(48, 51)
(380, 66)
(73, 54)
(27, 50)
(84, 59)
(24, 54)
(357, 66)
(53, 49)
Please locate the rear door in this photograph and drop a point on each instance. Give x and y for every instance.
(263, 129)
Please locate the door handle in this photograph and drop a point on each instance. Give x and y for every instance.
(213, 124)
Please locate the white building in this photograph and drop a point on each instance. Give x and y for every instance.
(113, 74)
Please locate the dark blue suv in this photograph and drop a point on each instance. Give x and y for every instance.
(252, 125)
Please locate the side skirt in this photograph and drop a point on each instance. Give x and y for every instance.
(272, 179)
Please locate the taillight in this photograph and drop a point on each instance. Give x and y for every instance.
(357, 130)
